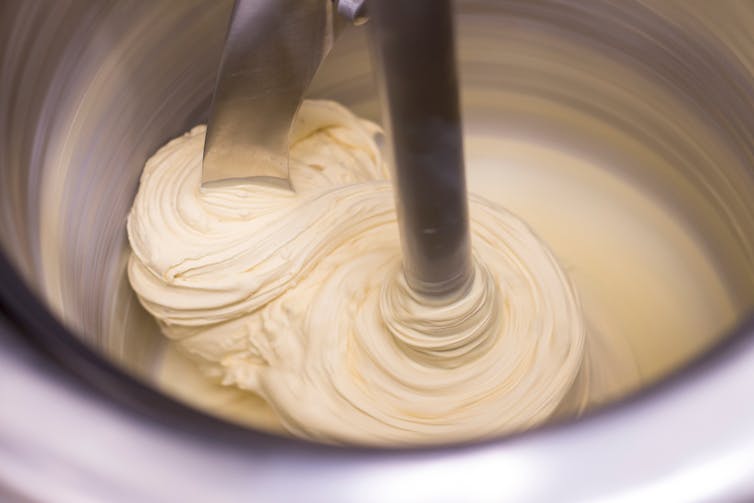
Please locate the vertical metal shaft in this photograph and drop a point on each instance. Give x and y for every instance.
(414, 52)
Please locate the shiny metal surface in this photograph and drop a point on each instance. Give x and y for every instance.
(272, 51)
(353, 10)
(662, 92)
(692, 440)
(414, 52)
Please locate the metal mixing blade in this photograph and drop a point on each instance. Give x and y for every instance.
(272, 51)
(274, 48)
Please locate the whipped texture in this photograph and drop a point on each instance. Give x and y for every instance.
(298, 296)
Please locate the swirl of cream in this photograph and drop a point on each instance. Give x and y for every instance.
(299, 297)
(440, 331)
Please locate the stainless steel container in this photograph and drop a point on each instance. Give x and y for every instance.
(89, 89)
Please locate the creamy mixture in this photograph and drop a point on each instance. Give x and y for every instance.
(298, 297)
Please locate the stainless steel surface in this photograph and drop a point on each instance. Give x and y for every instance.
(89, 89)
(353, 10)
(690, 441)
(414, 51)
(272, 51)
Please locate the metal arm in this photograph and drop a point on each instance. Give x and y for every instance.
(413, 45)
(272, 51)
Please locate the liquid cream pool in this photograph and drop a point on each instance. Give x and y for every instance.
(626, 254)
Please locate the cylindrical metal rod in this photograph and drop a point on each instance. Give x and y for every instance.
(414, 52)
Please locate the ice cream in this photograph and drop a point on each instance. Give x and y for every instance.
(298, 296)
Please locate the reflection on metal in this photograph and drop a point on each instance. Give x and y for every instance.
(353, 10)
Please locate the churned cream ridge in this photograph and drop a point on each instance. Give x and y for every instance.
(299, 297)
